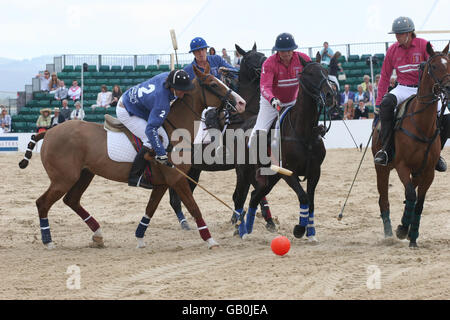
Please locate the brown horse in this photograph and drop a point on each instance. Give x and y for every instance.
(417, 147)
(74, 152)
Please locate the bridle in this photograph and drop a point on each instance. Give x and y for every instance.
(316, 92)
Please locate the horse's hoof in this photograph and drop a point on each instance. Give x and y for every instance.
(271, 226)
(97, 242)
(244, 236)
(50, 246)
(299, 231)
(313, 240)
(402, 232)
(212, 244)
(185, 225)
(141, 243)
(413, 245)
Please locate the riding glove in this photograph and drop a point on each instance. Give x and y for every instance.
(164, 160)
(275, 103)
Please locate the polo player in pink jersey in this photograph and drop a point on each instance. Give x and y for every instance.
(405, 56)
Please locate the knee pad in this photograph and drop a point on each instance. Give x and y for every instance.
(387, 106)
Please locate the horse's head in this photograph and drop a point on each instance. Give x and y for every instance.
(314, 80)
(437, 68)
(251, 64)
(215, 93)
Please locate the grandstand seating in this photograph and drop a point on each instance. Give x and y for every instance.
(125, 77)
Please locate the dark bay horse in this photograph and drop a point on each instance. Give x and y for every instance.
(417, 147)
(303, 151)
(74, 152)
(249, 90)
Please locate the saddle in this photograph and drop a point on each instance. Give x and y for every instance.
(399, 113)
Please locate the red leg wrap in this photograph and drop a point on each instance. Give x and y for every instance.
(203, 229)
(90, 221)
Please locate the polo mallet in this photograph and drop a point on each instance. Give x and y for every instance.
(174, 44)
(351, 136)
(342, 211)
(280, 169)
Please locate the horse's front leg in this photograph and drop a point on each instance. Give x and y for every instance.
(294, 183)
(313, 180)
(410, 203)
(155, 198)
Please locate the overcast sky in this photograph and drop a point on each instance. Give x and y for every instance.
(40, 27)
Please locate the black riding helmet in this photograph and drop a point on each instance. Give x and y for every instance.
(285, 42)
(179, 80)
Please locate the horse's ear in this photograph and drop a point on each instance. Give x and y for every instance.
(207, 69)
(430, 50)
(254, 47)
(318, 57)
(302, 61)
(445, 51)
(240, 50)
(197, 72)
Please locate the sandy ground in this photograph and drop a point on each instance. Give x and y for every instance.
(351, 260)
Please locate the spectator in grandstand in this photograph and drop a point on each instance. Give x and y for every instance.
(45, 80)
(366, 82)
(53, 83)
(5, 121)
(62, 92)
(375, 85)
(326, 54)
(65, 110)
(361, 95)
(336, 113)
(362, 112)
(57, 118)
(212, 51)
(371, 95)
(392, 83)
(225, 56)
(116, 94)
(237, 60)
(346, 95)
(334, 68)
(74, 91)
(78, 113)
(44, 121)
(104, 98)
(216, 63)
(337, 95)
(349, 110)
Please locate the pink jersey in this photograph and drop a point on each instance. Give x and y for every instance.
(280, 81)
(406, 64)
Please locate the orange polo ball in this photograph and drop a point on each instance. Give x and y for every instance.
(280, 245)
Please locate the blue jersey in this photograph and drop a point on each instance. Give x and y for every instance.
(150, 100)
(215, 62)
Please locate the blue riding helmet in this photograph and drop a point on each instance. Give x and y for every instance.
(285, 42)
(198, 43)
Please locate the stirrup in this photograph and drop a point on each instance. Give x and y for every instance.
(379, 159)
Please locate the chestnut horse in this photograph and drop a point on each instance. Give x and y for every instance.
(417, 147)
(74, 152)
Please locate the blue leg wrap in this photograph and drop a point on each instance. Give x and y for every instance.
(142, 227)
(304, 215)
(180, 216)
(250, 219)
(242, 227)
(45, 231)
(311, 230)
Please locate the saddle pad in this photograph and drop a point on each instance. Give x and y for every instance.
(119, 147)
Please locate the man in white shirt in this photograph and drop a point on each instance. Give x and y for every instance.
(74, 91)
(45, 80)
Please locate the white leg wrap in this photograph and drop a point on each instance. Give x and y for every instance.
(212, 243)
(141, 243)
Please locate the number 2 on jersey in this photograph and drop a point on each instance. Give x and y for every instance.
(142, 90)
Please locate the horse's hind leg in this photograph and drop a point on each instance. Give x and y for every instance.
(185, 193)
(72, 199)
(300, 228)
(383, 200)
(44, 203)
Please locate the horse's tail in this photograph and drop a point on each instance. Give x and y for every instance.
(28, 154)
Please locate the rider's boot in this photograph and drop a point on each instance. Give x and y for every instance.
(137, 177)
(387, 125)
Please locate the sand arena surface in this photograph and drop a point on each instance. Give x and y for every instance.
(176, 264)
